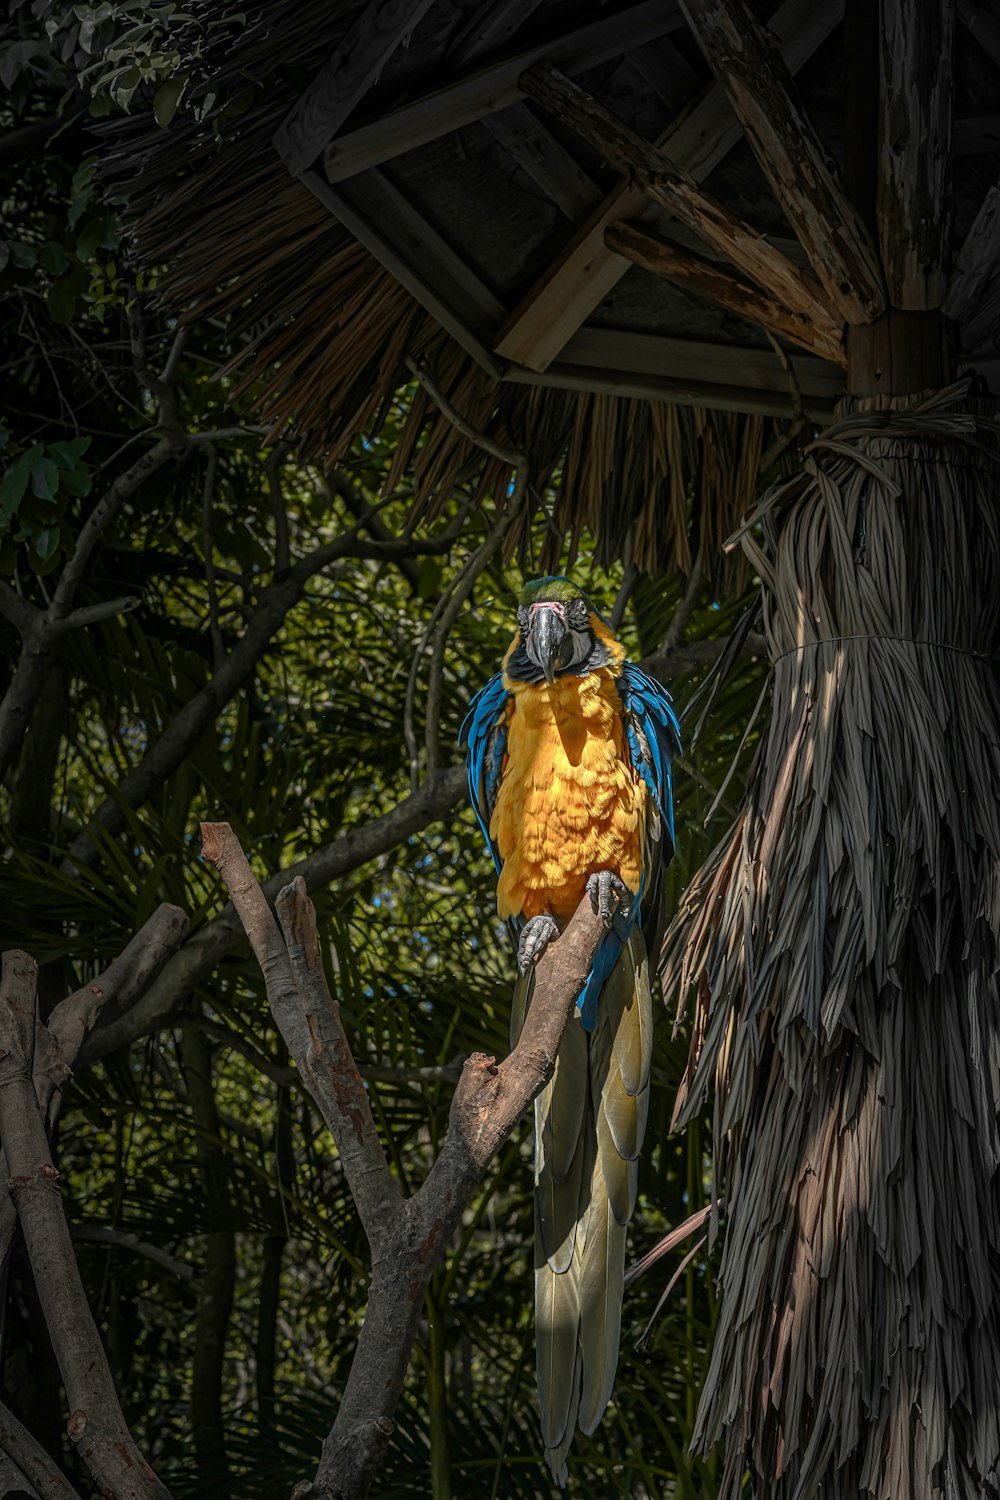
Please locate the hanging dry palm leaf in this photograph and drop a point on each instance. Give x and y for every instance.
(843, 943)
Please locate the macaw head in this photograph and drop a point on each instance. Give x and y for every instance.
(559, 630)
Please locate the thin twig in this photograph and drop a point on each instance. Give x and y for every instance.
(121, 1239)
(685, 609)
(418, 368)
(272, 468)
(448, 609)
(208, 548)
(628, 583)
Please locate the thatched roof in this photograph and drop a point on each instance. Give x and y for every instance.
(436, 215)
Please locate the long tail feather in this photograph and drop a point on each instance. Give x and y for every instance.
(589, 1125)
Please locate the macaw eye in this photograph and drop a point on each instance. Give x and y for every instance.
(578, 612)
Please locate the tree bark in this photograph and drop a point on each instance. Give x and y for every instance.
(96, 1424)
(408, 1237)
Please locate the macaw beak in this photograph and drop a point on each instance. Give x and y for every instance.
(547, 630)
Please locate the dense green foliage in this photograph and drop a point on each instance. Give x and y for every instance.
(190, 1134)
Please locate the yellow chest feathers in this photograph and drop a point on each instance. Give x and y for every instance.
(569, 802)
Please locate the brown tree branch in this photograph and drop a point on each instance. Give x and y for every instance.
(202, 952)
(96, 1424)
(407, 1237)
(122, 1239)
(303, 1012)
(57, 1044)
(31, 1458)
(284, 1074)
(188, 725)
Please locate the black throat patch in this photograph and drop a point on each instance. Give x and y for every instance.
(520, 667)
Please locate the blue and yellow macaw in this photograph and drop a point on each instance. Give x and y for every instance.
(569, 752)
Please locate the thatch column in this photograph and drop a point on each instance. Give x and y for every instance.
(844, 939)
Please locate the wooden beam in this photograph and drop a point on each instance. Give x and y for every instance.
(344, 79)
(489, 29)
(675, 191)
(744, 57)
(492, 88)
(708, 280)
(916, 54)
(587, 271)
(536, 150)
(688, 372)
(378, 215)
(546, 161)
(976, 259)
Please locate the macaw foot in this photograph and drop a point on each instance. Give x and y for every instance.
(536, 936)
(609, 896)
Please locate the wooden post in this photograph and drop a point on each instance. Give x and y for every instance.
(903, 351)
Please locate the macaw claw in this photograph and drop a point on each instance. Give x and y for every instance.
(535, 937)
(608, 895)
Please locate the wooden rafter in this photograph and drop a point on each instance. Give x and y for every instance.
(687, 372)
(539, 154)
(492, 88)
(976, 259)
(675, 191)
(745, 58)
(489, 29)
(916, 52)
(546, 161)
(422, 261)
(586, 271)
(707, 279)
(344, 79)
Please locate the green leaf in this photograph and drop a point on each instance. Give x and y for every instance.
(81, 190)
(68, 454)
(14, 484)
(77, 481)
(46, 543)
(168, 96)
(99, 233)
(44, 478)
(22, 254)
(54, 257)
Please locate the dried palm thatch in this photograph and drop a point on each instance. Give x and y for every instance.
(323, 331)
(844, 942)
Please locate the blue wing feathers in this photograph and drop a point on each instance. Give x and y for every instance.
(654, 736)
(484, 735)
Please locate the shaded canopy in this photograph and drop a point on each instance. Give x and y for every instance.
(367, 185)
